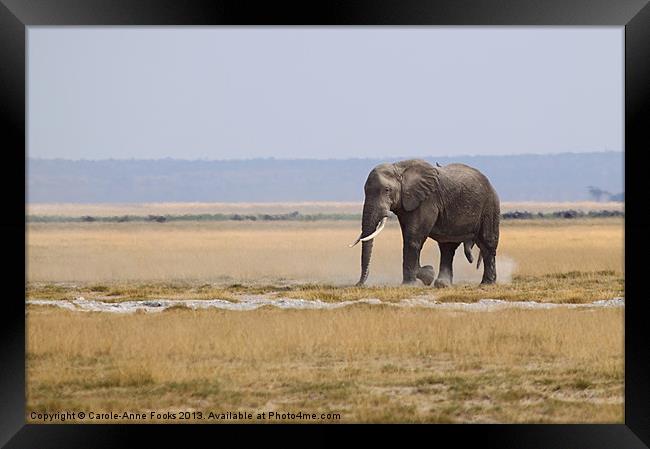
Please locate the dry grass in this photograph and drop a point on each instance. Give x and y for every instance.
(102, 210)
(274, 252)
(570, 287)
(554, 247)
(370, 364)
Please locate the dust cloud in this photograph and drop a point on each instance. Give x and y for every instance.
(384, 271)
(464, 272)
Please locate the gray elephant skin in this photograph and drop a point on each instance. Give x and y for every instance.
(451, 204)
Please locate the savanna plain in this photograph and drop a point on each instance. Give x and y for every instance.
(366, 362)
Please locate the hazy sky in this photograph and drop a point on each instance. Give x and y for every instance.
(324, 92)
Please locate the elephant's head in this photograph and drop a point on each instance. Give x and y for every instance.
(399, 187)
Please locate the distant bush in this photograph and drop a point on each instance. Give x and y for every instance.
(620, 197)
(517, 215)
(606, 213)
(568, 214)
(157, 218)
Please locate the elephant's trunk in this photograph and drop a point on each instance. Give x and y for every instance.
(366, 252)
(371, 223)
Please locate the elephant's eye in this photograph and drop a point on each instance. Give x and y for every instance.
(387, 189)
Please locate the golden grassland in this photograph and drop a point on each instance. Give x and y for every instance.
(303, 252)
(103, 210)
(368, 363)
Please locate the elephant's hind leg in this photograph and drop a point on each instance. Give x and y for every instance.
(488, 241)
(488, 253)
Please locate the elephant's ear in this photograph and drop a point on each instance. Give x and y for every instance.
(419, 180)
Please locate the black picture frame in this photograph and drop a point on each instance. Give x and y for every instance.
(17, 15)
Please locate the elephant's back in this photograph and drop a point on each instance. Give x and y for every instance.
(459, 169)
(468, 181)
(466, 175)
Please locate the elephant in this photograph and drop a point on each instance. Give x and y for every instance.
(451, 204)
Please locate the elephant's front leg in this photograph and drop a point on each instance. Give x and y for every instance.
(411, 259)
(446, 272)
(416, 226)
(411, 269)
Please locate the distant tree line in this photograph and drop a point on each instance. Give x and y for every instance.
(294, 216)
(599, 194)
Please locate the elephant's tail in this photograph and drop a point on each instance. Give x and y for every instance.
(468, 245)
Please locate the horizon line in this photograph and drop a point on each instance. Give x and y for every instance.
(272, 158)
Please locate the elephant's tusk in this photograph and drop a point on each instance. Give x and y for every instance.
(380, 227)
(355, 242)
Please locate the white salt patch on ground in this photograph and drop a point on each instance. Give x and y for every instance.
(254, 302)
